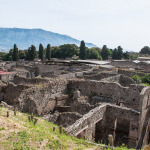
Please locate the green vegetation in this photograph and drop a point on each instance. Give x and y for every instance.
(145, 50)
(93, 53)
(48, 52)
(63, 52)
(31, 53)
(17, 132)
(66, 50)
(15, 53)
(105, 53)
(118, 53)
(41, 51)
(145, 80)
(82, 54)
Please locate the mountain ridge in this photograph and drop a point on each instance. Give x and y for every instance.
(24, 38)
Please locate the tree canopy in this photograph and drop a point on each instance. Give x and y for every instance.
(117, 53)
(93, 53)
(66, 50)
(145, 50)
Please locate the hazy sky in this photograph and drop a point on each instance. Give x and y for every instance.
(102, 22)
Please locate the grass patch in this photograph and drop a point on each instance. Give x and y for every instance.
(18, 133)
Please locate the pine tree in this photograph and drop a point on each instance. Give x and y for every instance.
(41, 51)
(82, 54)
(48, 52)
(15, 53)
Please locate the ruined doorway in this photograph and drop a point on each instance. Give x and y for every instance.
(122, 132)
(148, 136)
(100, 132)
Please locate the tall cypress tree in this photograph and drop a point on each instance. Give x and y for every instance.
(15, 53)
(48, 52)
(41, 51)
(120, 52)
(32, 52)
(82, 53)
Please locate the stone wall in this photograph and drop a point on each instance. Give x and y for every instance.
(144, 117)
(130, 73)
(129, 96)
(43, 99)
(98, 76)
(121, 79)
(24, 81)
(126, 118)
(86, 126)
(67, 118)
(11, 92)
(123, 63)
(87, 121)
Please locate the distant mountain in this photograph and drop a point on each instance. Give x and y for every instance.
(24, 38)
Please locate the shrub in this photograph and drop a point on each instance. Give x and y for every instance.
(137, 79)
(146, 79)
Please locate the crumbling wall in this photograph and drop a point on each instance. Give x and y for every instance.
(98, 76)
(105, 116)
(129, 96)
(43, 97)
(24, 81)
(144, 117)
(126, 119)
(123, 63)
(87, 122)
(11, 92)
(121, 79)
(67, 118)
(130, 73)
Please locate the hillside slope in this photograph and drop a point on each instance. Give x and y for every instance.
(24, 38)
(17, 132)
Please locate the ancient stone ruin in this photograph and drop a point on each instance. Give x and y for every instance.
(93, 102)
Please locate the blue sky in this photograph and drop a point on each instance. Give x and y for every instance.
(102, 22)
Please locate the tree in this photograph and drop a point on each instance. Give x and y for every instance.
(48, 52)
(117, 53)
(41, 51)
(126, 55)
(82, 54)
(22, 54)
(145, 50)
(15, 53)
(93, 53)
(64, 51)
(146, 79)
(120, 52)
(32, 52)
(105, 53)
